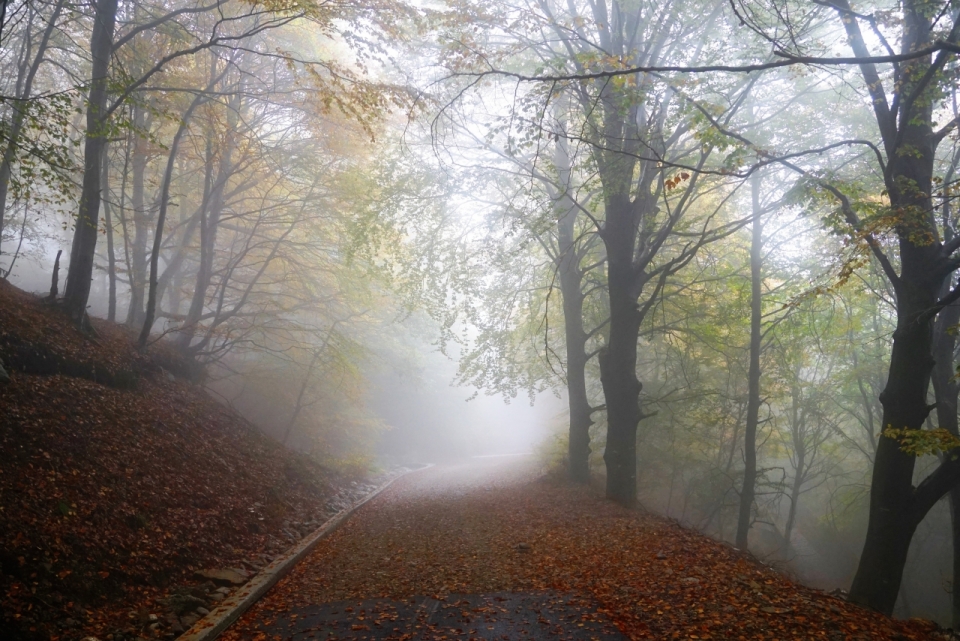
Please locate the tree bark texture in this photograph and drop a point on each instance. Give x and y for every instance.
(84, 246)
(618, 359)
(946, 392)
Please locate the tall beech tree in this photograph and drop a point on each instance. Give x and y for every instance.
(572, 249)
(904, 104)
(748, 487)
(642, 135)
(84, 246)
(905, 93)
(635, 128)
(575, 262)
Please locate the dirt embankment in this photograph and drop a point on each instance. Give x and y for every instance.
(119, 481)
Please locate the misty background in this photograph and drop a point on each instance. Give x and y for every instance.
(390, 234)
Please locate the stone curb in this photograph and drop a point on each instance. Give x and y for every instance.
(223, 616)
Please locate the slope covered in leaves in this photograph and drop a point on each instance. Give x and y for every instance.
(110, 495)
(493, 529)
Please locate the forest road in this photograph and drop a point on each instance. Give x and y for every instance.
(449, 552)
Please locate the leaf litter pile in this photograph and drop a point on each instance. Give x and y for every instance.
(118, 482)
(444, 533)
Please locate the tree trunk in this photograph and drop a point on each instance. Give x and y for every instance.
(799, 447)
(209, 222)
(794, 500)
(138, 252)
(55, 278)
(946, 392)
(122, 204)
(84, 245)
(747, 491)
(893, 517)
(580, 409)
(210, 209)
(172, 272)
(150, 314)
(298, 406)
(171, 280)
(955, 539)
(571, 279)
(111, 254)
(16, 252)
(618, 359)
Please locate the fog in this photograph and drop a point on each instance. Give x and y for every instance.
(682, 275)
(433, 421)
(425, 416)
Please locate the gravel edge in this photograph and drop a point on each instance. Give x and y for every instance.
(221, 618)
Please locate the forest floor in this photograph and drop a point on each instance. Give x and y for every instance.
(493, 549)
(120, 481)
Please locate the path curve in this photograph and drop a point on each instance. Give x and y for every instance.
(490, 549)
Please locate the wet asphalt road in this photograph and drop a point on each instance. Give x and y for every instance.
(528, 616)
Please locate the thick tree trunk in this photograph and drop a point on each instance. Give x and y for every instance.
(627, 130)
(618, 360)
(893, 517)
(955, 539)
(946, 392)
(747, 491)
(84, 245)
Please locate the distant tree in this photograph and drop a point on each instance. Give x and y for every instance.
(23, 104)
(642, 135)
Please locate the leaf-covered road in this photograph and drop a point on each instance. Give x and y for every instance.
(488, 549)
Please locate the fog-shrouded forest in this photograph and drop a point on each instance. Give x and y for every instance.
(702, 255)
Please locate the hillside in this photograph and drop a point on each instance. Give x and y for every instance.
(120, 480)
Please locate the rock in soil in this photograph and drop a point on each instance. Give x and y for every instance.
(223, 577)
